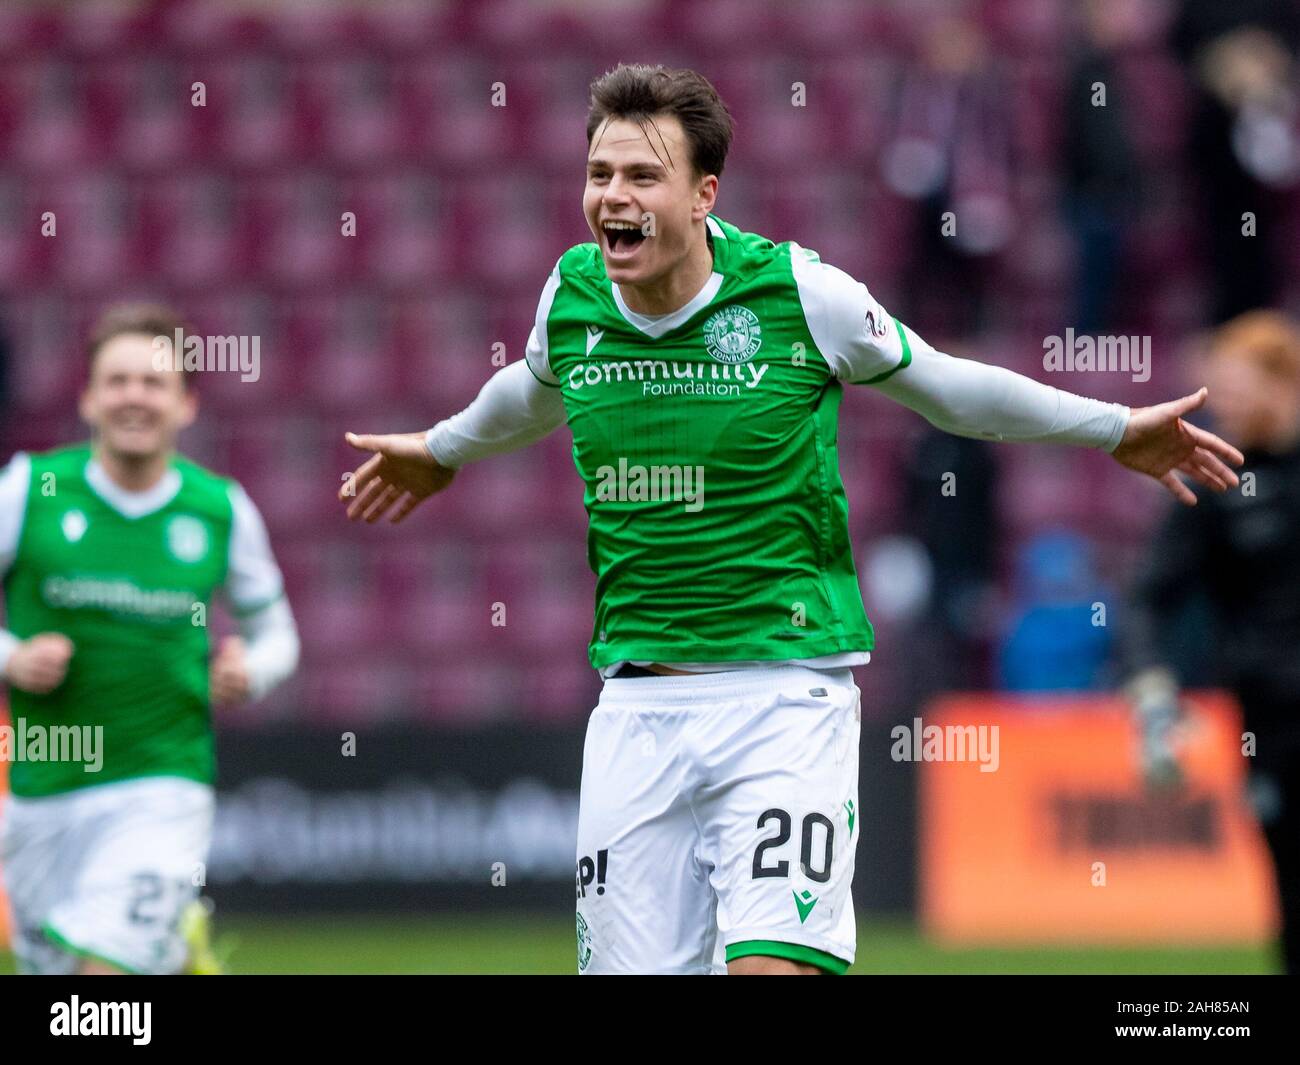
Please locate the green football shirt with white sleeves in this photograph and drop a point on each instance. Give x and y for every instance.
(707, 442)
(129, 577)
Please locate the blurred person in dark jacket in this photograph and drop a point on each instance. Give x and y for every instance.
(1241, 549)
(1244, 141)
(950, 487)
(1102, 177)
(950, 152)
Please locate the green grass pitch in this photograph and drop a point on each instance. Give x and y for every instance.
(545, 945)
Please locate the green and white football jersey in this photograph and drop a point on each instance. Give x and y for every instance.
(706, 439)
(129, 578)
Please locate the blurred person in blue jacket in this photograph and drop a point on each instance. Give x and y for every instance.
(1057, 640)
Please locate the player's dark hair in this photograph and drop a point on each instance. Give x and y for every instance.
(638, 92)
(130, 319)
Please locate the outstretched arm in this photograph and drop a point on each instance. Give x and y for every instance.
(970, 398)
(512, 411)
(974, 399)
(863, 344)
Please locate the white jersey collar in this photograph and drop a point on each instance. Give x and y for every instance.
(656, 325)
(126, 502)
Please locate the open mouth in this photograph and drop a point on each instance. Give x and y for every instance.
(133, 424)
(622, 239)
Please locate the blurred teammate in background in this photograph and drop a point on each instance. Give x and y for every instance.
(700, 370)
(111, 553)
(1241, 549)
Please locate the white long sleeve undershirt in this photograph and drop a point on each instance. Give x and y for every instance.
(271, 646)
(512, 410)
(959, 396)
(974, 399)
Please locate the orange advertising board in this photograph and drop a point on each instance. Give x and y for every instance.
(1056, 839)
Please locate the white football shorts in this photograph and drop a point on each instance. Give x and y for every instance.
(718, 819)
(105, 872)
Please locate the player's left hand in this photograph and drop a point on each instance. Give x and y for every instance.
(228, 673)
(1160, 444)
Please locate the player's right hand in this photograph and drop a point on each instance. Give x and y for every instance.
(401, 473)
(38, 665)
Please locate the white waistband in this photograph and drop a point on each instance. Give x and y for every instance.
(736, 682)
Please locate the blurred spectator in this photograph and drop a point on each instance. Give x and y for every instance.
(1101, 171)
(7, 444)
(950, 151)
(950, 490)
(1243, 549)
(1054, 642)
(1244, 145)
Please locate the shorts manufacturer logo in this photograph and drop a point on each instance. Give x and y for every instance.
(733, 334)
(804, 902)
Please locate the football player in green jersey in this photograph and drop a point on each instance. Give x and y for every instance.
(111, 553)
(700, 369)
